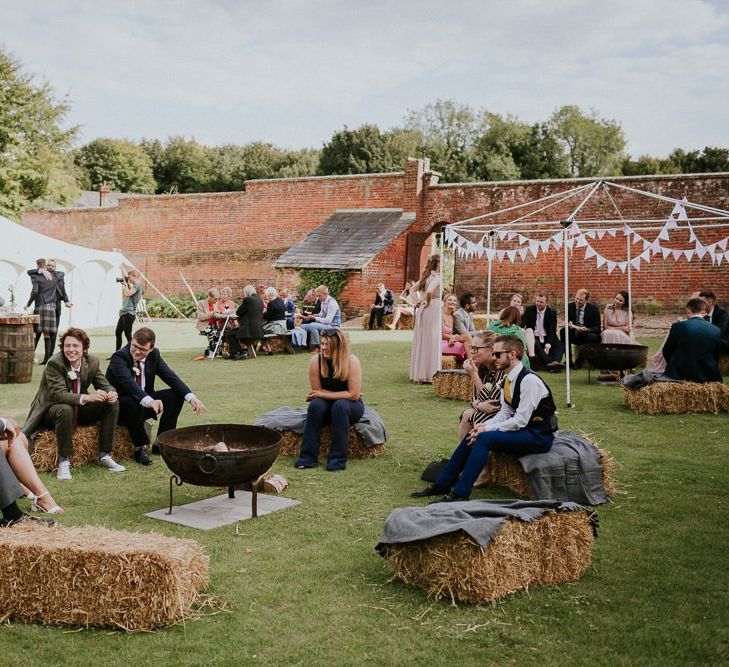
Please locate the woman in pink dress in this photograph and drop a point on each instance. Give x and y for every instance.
(425, 355)
(453, 345)
(616, 321)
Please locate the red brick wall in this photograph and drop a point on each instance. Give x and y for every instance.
(234, 238)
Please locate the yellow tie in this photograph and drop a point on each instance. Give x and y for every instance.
(507, 390)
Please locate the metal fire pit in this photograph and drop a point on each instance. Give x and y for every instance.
(612, 356)
(232, 455)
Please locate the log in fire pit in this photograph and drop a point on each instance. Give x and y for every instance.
(232, 455)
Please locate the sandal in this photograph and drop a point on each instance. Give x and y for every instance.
(37, 508)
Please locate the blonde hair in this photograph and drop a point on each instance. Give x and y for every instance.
(339, 354)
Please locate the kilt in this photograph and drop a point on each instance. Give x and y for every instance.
(47, 312)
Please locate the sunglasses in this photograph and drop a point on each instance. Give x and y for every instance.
(500, 352)
(328, 333)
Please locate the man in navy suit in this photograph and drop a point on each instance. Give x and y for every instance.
(583, 321)
(718, 316)
(542, 320)
(691, 351)
(132, 371)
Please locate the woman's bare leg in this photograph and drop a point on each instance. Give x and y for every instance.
(465, 426)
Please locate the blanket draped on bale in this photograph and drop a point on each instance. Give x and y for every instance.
(480, 519)
(370, 427)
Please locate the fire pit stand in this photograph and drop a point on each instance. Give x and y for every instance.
(251, 486)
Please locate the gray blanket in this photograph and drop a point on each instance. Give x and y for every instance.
(370, 427)
(570, 470)
(480, 519)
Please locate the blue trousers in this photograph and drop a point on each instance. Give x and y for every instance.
(313, 329)
(468, 461)
(340, 415)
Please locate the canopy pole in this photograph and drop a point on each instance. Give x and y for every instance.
(442, 265)
(568, 351)
(492, 243)
(630, 278)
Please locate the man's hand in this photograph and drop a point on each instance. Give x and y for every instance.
(474, 433)
(198, 406)
(68, 304)
(112, 397)
(99, 396)
(158, 406)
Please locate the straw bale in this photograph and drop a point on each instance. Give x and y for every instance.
(291, 444)
(93, 576)
(448, 362)
(674, 398)
(85, 447)
(503, 469)
(480, 322)
(554, 548)
(453, 384)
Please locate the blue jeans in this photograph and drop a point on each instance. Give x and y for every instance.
(340, 415)
(313, 329)
(468, 461)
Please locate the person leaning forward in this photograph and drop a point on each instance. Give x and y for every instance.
(63, 401)
(525, 424)
(132, 371)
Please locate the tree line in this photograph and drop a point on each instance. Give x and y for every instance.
(41, 166)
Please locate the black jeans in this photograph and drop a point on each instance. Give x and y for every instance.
(376, 314)
(133, 415)
(124, 325)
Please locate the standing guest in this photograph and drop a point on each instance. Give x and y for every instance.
(485, 379)
(542, 320)
(382, 306)
(61, 295)
(329, 317)
(37, 274)
(250, 325)
(524, 424)
(453, 344)
(335, 377)
(409, 297)
(274, 319)
(44, 295)
(14, 449)
(132, 370)
(63, 401)
(583, 321)
(616, 321)
(509, 324)
(463, 317)
(718, 316)
(425, 358)
(132, 293)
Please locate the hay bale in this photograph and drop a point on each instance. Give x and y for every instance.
(504, 469)
(480, 322)
(448, 362)
(291, 444)
(554, 548)
(455, 384)
(675, 398)
(98, 577)
(85, 447)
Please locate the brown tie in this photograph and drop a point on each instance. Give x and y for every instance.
(75, 389)
(138, 376)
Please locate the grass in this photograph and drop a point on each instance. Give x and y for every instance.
(307, 588)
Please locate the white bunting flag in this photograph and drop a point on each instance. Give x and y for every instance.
(523, 252)
(511, 236)
(600, 261)
(645, 256)
(722, 244)
(534, 247)
(500, 255)
(589, 252)
(692, 236)
(664, 235)
(591, 234)
(676, 209)
(613, 233)
(611, 266)
(512, 255)
(600, 233)
(575, 228)
(718, 258)
(666, 252)
(711, 247)
(676, 254)
(581, 241)
(700, 250)
(646, 244)
(544, 246)
(688, 254)
(656, 247)
(682, 213)
(501, 235)
(523, 239)
(490, 254)
(635, 263)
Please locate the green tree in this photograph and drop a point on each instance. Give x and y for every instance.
(647, 164)
(297, 163)
(711, 159)
(183, 166)
(593, 146)
(34, 169)
(123, 165)
(360, 151)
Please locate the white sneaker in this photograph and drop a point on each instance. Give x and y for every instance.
(64, 470)
(110, 464)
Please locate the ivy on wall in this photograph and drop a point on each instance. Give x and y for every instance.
(336, 281)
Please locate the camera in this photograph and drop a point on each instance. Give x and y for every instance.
(121, 280)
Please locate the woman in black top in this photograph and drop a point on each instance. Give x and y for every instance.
(335, 376)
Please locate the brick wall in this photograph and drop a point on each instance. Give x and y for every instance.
(234, 238)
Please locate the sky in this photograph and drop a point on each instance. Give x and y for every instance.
(292, 72)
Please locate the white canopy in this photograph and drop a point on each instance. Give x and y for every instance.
(90, 274)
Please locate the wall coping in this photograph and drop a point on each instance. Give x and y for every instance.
(389, 174)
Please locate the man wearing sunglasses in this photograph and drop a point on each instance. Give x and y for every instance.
(132, 370)
(525, 424)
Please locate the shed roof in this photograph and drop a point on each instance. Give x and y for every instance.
(348, 240)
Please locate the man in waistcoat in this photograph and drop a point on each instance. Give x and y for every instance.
(525, 424)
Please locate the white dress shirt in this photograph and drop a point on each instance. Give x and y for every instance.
(532, 391)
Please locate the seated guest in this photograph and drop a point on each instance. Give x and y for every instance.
(335, 376)
(463, 317)
(409, 299)
(274, 319)
(583, 321)
(691, 351)
(485, 378)
(290, 306)
(206, 318)
(224, 307)
(616, 322)
(718, 316)
(329, 317)
(382, 306)
(63, 401)
(508, 324)
(542, 320)
(453, 344)
(250, 325)
(524, 424)
(133, 370)
(14, 448)
(517, 301)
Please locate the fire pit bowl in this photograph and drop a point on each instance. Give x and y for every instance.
(613, 356)
(232, 455)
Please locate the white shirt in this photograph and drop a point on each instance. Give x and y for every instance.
(532, 391)
(329, 308)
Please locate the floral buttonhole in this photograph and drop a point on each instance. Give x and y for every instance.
(135, 370)
(72, 375)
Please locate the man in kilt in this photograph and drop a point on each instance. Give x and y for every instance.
(44, 296)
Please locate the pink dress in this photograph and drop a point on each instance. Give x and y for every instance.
(425, 360)
(616, 318)
(457, 350)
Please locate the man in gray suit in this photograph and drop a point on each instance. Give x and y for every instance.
(463, 317)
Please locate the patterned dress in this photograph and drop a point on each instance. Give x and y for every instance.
(491, 391)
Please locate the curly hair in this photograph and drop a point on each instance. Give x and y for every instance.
(78, 334)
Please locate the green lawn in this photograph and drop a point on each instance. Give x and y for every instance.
(306, 587)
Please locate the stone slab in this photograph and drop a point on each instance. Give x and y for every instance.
(221, 511)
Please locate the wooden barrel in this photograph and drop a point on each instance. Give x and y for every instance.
(17, 347)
